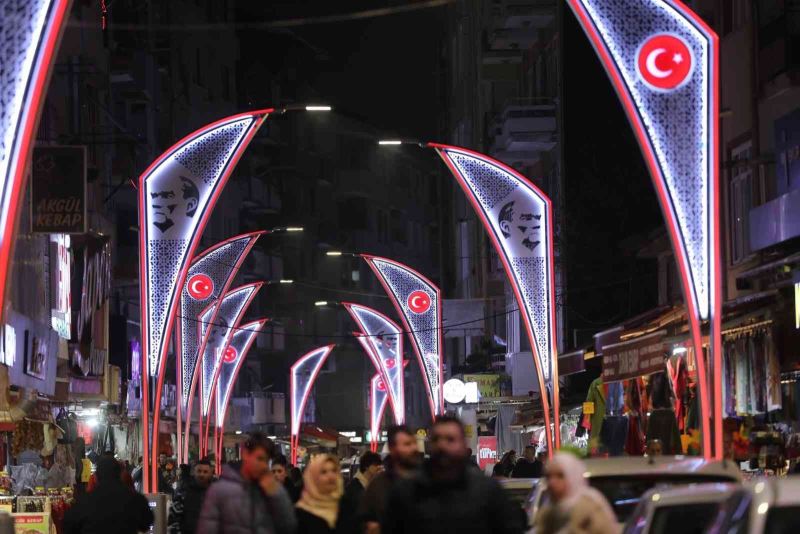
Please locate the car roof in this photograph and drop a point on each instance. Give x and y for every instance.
(691, 493)
(517, 483)
(627, 466)
(776, 491)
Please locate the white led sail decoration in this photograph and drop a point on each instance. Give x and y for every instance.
(232, 359)
(208, 278)
(419, 304)
(382, 340)
(378, 397)
(177, 193)
(302, 376)
(662, 60)
(518, 217)
(30, 31)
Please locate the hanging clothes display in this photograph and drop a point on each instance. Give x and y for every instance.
(663, 427)
(597, 396)
(634, 441)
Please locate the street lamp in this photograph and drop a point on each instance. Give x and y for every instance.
(285, 229)
(304, 107)
(318, 108)
(321, 303)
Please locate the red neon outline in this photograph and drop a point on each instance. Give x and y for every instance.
(295, 436)
(258, 116)
(375, 425)
(442, 150)
(254, 327)
(437, 408)
(376, 359)
(253, 236)
(666, 207)
(23, 140)
(256, 287)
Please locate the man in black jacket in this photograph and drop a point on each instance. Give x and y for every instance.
(529, 466)
(110, 507)
(448, 496)
(349, 520)
(188, 501)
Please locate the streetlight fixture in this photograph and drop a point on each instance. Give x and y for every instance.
(390, 142)
(318, 108)
(286, 281)
(333, 253)
(294, 228)
(321, 303)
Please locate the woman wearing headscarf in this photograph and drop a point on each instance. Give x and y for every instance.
(318, 507)
(575, 507)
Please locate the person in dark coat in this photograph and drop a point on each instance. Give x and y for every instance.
(188, 501)
(349, 521)
(280, 470)
(318, 507)
(449, 497)
(247, 499)
(111, 507)
(529, 466)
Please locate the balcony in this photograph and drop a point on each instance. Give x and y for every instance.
(525, 128)
(776, 221)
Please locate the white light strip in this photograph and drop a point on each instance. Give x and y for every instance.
(234, 357)
(302, 376)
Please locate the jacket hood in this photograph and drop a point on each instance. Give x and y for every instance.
(232, 472)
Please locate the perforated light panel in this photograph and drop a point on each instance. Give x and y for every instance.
(29, 36)
(209, 277)
(419, 303)
(177, 193)
(233, 358)
(378, 396)
(382, 339)
(663, 62)
(302, 376)
(218, 335)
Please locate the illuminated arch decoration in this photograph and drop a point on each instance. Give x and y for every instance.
(302, 376)
(378, 397)
(518, 217)
(227, 313)
(234, 356)
(382, 340)
(209, 277)
(177, 193)
(662, 60)
(419, 304)
(30, 31)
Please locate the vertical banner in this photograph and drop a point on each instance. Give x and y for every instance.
(419, 304)
(226, 313)
(518, 217)
(30, 31)
(302, 376)
(382, 340)
(58, 190)
(232, 359)
(176, 196)
(663, 62)
(378, 396)
(209, 277)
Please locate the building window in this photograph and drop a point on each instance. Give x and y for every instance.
(740, 202)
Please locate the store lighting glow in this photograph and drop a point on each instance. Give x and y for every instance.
(663, 61)
(30, 31)
(418, 302)
(797, 305)
(382, 340)
(92, 423)
(679, 350)
(318, 108)
(390, 142)
(238, 432)
(302, 376)
(518, 218)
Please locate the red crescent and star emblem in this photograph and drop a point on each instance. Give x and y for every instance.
(380, 385)
(390, 363)
(664, 62)
(419, 301)
(200, 286)
(229, 356)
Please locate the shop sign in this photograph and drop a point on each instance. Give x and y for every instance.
(58, 190)
(60, 285)
(456, 391)
(487, 451)
(32, 523)
(488, 385)
(630, 359)
(588, 408)
(9, 353)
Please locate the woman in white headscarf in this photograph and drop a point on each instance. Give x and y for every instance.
(574, 507)
(318, 507)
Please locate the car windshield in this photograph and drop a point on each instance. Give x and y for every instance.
(684, 518)
(624, 492)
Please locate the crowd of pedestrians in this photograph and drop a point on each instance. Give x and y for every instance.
(403, 493)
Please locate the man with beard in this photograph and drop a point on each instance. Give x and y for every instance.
(447, 496)
(188, 501)
(523, 225)
(402, 463)
(164, 203)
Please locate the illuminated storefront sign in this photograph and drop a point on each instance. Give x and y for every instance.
(30, 31)
(663, 62)
(378, 397)
(176, 195)
(209, 277)
(419, 304)
(518, 217)
(61, 285)
(382, 340)
(302, 376)
(457, 391)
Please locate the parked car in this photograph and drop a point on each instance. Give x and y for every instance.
(518, 489)
(623, 480)
(758, 507)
